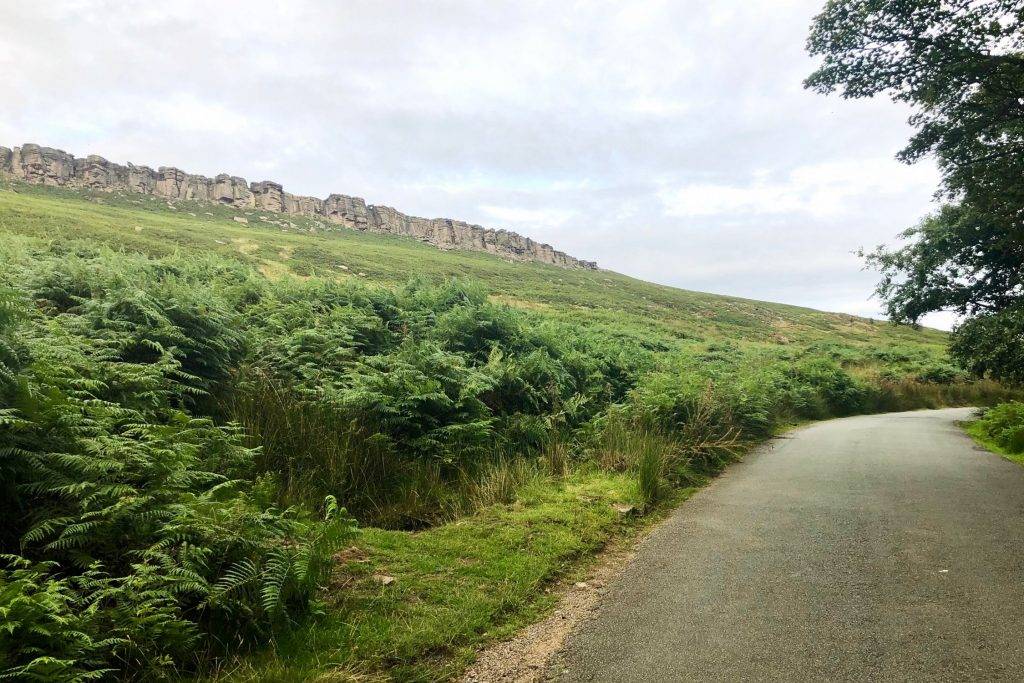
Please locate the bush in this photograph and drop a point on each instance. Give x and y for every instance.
(839, 391)
(992, 345)
(1004, 424)
(126, 552)
(47, 634)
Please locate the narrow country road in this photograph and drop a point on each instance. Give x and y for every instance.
(872, 548)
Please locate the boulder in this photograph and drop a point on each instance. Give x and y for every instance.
(96, 173)
(268, 196)
(42, 165)
(231, 190)
(348, 211)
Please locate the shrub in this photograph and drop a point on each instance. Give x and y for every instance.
(841, 393)
(1004, 424)
(46, 634)
(132, 554)
(940, 373)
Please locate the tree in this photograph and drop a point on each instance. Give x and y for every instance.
(960, 65)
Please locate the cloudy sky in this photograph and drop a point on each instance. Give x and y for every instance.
(671, 141)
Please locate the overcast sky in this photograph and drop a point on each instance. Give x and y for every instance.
(671, 141)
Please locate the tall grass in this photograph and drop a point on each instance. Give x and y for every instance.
(906, 394)
(500, 482)
(667, 454)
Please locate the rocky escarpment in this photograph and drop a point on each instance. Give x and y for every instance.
(47, 166)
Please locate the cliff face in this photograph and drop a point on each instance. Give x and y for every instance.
(47, 166)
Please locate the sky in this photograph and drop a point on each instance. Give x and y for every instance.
(671, 141)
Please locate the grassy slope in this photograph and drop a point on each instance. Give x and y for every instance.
(601, 297)
(477, 579)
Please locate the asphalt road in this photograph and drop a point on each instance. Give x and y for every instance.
(883, 547)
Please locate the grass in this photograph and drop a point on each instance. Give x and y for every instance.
(664, 315)
(977, 431)
(1000, 429)
(456, 586)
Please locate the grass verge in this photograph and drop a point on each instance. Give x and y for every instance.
(976, 430)
(415, 606)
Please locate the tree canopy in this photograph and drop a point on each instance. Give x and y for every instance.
(960, 65)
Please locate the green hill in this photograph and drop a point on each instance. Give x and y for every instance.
(150, 226)
(256, 450)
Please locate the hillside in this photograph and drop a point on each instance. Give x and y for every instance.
(265, 450)
(47, 166)
(157, 228)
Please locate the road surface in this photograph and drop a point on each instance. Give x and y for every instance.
(882, 547)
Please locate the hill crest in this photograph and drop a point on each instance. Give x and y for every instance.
(49, 166)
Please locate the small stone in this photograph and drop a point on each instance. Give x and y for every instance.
(240, 219)
(582, 584)
(624, 509)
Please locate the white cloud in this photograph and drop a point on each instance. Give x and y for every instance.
(519, 216)
(669, 139)
(819, 190)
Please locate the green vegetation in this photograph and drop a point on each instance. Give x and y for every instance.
(960, 65)
(195, 415)
(1001, 429)
(456, 586)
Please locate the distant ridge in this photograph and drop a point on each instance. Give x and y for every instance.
(32, 163)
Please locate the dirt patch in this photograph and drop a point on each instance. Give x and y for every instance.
(245, 245)
(272, 270)
(520, 303)
(525, 657)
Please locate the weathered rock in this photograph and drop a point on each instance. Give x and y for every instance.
(44, 165)
(141, 179)
(199, 188)
(304, 206)
(231, 190)
(171, 182)
(349, 211)
(97, 173)
(268, 195)
(6, 154)
(390, 221)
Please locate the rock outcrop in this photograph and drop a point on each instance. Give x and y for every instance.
(47, 166)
